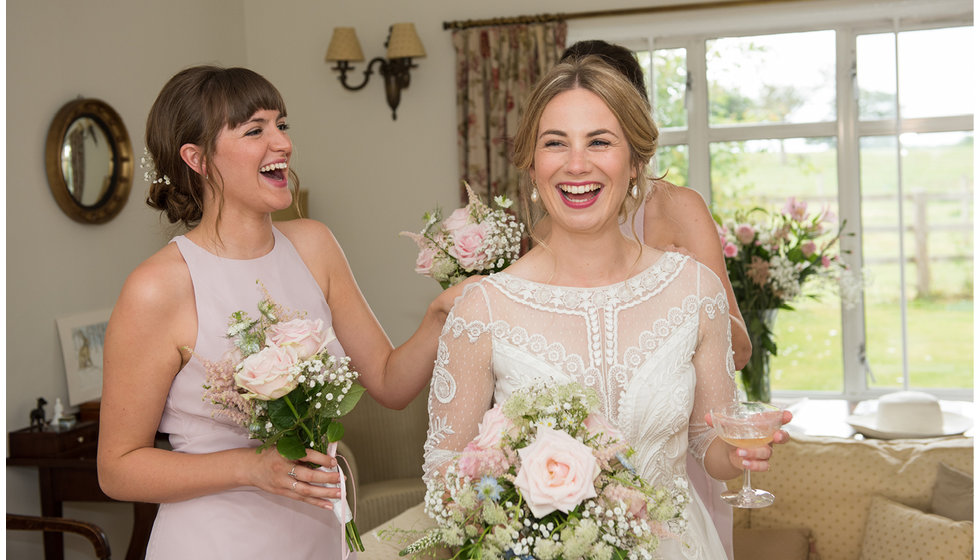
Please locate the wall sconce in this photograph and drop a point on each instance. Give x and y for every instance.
(403, 45)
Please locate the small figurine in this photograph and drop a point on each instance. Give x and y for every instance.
(59, 410)
(38, 417)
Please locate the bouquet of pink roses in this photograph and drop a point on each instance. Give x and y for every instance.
(282, 385)
(474, 239)
(548, 478)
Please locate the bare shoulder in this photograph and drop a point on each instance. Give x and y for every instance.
(319, 250)
(156, 306)
(160, 281)
(310, 237)
(678, 203)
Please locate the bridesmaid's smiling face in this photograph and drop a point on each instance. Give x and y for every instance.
(581, 162)
(253, 161)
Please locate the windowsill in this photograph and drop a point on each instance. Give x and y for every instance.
(828, 417)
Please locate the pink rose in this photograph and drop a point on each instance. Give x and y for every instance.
(265, 373)
(809, 248)
(492, 429)
(423, 263)
(468, 246)
(557, 472)
(730, 250)
(745, 233)
(302, 337)
(459, 218)
(597, 425)
(474, 462)
(825, 261)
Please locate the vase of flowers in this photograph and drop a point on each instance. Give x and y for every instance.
(474, 239)
(772, 259)
(755, 374)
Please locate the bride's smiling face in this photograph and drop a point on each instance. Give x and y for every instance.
(581, 162)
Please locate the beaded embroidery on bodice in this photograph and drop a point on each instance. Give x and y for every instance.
(636, 336)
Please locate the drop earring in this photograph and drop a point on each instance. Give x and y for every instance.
(534, 194)
(634, 190)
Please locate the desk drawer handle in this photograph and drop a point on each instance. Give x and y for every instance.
(81, 439)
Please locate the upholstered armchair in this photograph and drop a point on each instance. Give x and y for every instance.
(386, 448)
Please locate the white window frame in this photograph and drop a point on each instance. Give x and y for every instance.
(690, 30)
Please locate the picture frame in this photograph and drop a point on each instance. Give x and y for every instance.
(82, 338)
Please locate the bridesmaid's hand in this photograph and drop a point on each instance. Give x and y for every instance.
(445, 301)
(294, 479)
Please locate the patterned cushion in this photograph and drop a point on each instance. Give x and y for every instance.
(952, 495)
(897, 532)
(826, 484)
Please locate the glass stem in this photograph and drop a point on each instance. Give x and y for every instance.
(747, 481)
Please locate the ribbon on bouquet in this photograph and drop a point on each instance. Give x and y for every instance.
(341, 509)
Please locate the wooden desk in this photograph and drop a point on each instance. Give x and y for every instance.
(66, 467)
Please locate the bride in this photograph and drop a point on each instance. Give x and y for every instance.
(647, 330)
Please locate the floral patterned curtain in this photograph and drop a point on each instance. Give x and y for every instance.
(496, 67)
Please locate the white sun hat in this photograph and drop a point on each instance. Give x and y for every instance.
(909, 414)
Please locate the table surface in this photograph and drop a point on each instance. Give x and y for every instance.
(828, 417)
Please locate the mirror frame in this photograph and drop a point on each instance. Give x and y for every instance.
(120, 183)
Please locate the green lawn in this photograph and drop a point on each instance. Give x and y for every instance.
(940, 346)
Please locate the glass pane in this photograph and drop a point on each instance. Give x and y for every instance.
(876, 76)
(765, 173)
(787, 78)
(930, 71)
(674, 161)
(668, 73)
(931, 75)
(937, 208)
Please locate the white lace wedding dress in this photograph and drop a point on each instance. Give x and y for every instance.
(655, 348)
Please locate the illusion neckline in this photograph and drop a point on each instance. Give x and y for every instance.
(667, 258)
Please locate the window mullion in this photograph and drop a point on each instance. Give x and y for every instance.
(849, 204)
(699, 165)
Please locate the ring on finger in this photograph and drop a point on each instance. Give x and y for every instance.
(294, 485)
(292, 472)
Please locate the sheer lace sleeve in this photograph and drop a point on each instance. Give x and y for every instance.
(713, 361)
(462, 380)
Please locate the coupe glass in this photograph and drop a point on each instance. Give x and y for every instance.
(748, 425)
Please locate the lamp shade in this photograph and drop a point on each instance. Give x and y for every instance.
(404, 42)
(344, 45)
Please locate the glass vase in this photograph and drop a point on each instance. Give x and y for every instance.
(755, 374)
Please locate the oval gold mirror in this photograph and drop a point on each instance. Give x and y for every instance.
(89, 161)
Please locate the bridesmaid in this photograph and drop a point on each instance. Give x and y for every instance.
(221, 147)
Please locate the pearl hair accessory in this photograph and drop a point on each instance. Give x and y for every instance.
(150, 174)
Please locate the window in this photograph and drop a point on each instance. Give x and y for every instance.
(869, 116)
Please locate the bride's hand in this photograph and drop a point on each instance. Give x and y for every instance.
(294, 479)
(756, 459)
